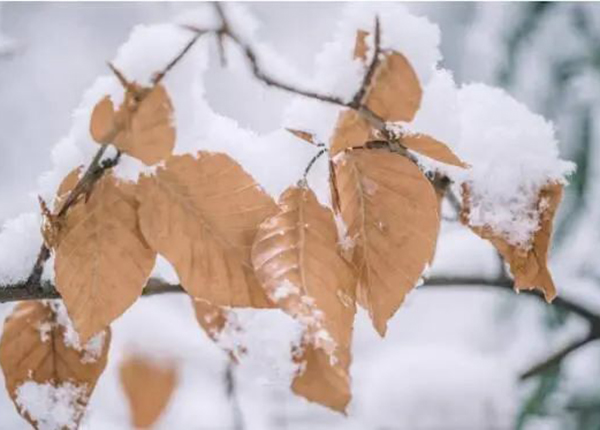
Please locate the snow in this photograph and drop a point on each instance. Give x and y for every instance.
(20, 240)
(513, 153)
(445, 354)
(91, 350)
(51, 407)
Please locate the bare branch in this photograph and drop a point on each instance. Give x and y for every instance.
(556, 358)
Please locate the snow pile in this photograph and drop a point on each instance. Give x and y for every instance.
(513, 153)
(20, 241)
(51, 407)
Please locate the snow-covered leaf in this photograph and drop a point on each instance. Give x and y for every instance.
(296, 259)
(527, 261)
(217, 321)
(48, 375)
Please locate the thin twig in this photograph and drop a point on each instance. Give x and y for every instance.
(160, 75)
(312, 162)
(556, 358)
(231, 389)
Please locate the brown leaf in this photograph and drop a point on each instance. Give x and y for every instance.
(201, 213)
(528, 262)
(142, 129)
(215, 320)
(395, 93)
(304, 135)
(66, 186)
(102, 261)
(360, 46)
(149, 387)
(351, 130)
(103, 127)
(318, 380)
(51, 222)
(391, 213)
(432, 148)
(34, 350)
(296, 259)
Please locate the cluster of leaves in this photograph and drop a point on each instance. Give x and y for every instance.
(233, 246)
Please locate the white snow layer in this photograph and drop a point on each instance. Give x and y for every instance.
(513, 154)
(51, 407)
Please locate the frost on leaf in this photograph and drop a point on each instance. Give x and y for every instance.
(102, 261)
(148, 386)
(141, 127)
(201, 213)
(390, 210)
(296, 259)
(49, 379)
(219, 323)
(527, 260)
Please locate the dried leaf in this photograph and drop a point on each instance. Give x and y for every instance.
(103, 127)
(351, 130)
(395, 92)
(65, 188)
(51, 222)
(102, 261)
(142, 129)
(318, 380)
(35, 354)
(149, 387)
(432, 148)
(296, 259)
(528, 263)
(304, 135)
(202, 214)
(360, 46)
(391, 214)
(215, 320)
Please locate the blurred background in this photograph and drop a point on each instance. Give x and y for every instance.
(453, 355)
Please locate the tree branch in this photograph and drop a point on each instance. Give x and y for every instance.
(556, 358)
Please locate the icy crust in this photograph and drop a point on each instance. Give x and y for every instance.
(513, 153)
(52, 407)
